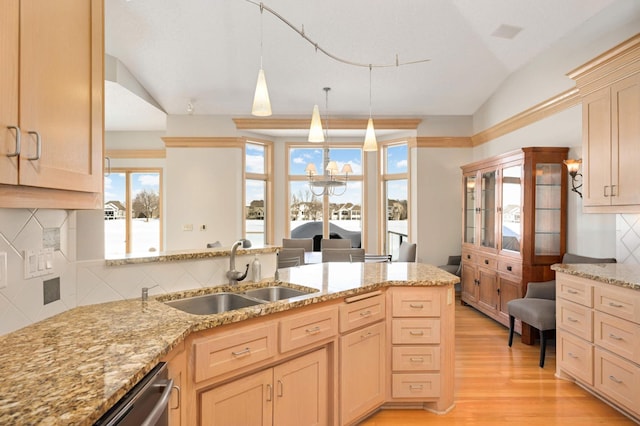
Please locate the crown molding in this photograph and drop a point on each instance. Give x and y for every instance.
(551, 106)
(203, 142)
(336, 123)
(444, 142)
(136, 153)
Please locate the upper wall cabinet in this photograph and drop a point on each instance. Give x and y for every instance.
(610, 89)
(51, 109)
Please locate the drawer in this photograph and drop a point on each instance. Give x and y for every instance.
(617, 378)
(415, 358)
(415, 331)
(358, 313)
(415, 302)
(576, 289)
(468, 256)
(304, 329)
(575, 318)
(425, 385)
(510, 267)
(618, 302)
(575, 356)
(486, 261)
(237, 348)
(617, 335)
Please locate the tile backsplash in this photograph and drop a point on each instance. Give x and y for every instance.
(91, 281)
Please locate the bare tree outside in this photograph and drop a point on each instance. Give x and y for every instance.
(146, 205)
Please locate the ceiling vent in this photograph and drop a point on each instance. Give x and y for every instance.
(506, 31)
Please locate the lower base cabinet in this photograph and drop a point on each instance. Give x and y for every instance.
(293, 393)
(362, 371)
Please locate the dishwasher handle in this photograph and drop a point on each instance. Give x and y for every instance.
(162, 403)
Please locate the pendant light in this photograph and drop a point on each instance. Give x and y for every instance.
(316, 134)
(370, 143)
(261, 104)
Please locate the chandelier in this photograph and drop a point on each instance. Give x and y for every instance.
(332, 181)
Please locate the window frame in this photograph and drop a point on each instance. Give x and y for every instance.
(129, 205)
(383, 179)
(288, 178)
(267, 177)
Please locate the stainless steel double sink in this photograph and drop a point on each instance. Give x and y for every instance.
(217, 303)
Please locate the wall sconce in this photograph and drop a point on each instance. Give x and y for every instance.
(573, 166)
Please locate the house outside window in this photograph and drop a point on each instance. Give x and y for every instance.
(132, 211)
(316, 215)
(257, 193)
(395, 190)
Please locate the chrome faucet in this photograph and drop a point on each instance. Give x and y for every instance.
(233, 275)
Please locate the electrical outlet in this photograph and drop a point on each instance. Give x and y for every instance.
(3, 269)
(187, 227)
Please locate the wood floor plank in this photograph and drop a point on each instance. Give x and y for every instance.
(498, 385)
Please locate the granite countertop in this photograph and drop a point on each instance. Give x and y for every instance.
(172, 256)
(70, 368)
(619, 274)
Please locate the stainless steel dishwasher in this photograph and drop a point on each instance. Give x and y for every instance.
(144, 405)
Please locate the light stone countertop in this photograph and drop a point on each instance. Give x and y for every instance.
(177, 255)
(619, 274)
(71, 368)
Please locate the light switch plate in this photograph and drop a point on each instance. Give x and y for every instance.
(38, 262)
(3, 269)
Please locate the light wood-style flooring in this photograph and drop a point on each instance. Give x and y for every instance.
(498, 385)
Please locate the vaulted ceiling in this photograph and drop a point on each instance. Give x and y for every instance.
(207, 52)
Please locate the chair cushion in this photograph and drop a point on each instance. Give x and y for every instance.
(539, 313)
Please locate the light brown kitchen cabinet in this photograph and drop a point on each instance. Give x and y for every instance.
(292, 393)
(598, 328)
(177, 368)
(513, 226)
(51, 111)
(609, 86)
(362, 357)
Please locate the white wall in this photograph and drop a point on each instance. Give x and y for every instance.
(203, 186)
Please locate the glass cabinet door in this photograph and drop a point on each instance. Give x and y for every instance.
(511, 208)
(548, 221)
(470, 209)
(488, 210)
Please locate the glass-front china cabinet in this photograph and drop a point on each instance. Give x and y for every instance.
(513, 225)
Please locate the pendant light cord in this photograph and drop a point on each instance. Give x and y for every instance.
(396, 63)
(370, 90)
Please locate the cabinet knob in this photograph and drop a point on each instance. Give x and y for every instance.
(509, 268)
(468, 256)
(486, 261)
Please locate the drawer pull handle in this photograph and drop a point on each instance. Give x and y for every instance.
(614, 379)
(572, 291)
(365, 313)
(509, 268)
(468, 256)
(614, 337)
(416, 359)
(245, 351)
(615, 305)
(415, 387)
(486, 261)
(416, 333)
(572, 319)
(416, 305)
(572, 355)
(314, 330)
(367, 335)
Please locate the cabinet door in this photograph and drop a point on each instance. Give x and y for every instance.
(177, 367)
(488, 289)
(488, 208)
(468, 287)
(61, 80)
(509, 290)
(247, 401)
(596, 152)
(625, 131)
(301, 391)
(362, 371)
(9, 33)
(470, 211)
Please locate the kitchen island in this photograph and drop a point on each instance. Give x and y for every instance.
(69, 369)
